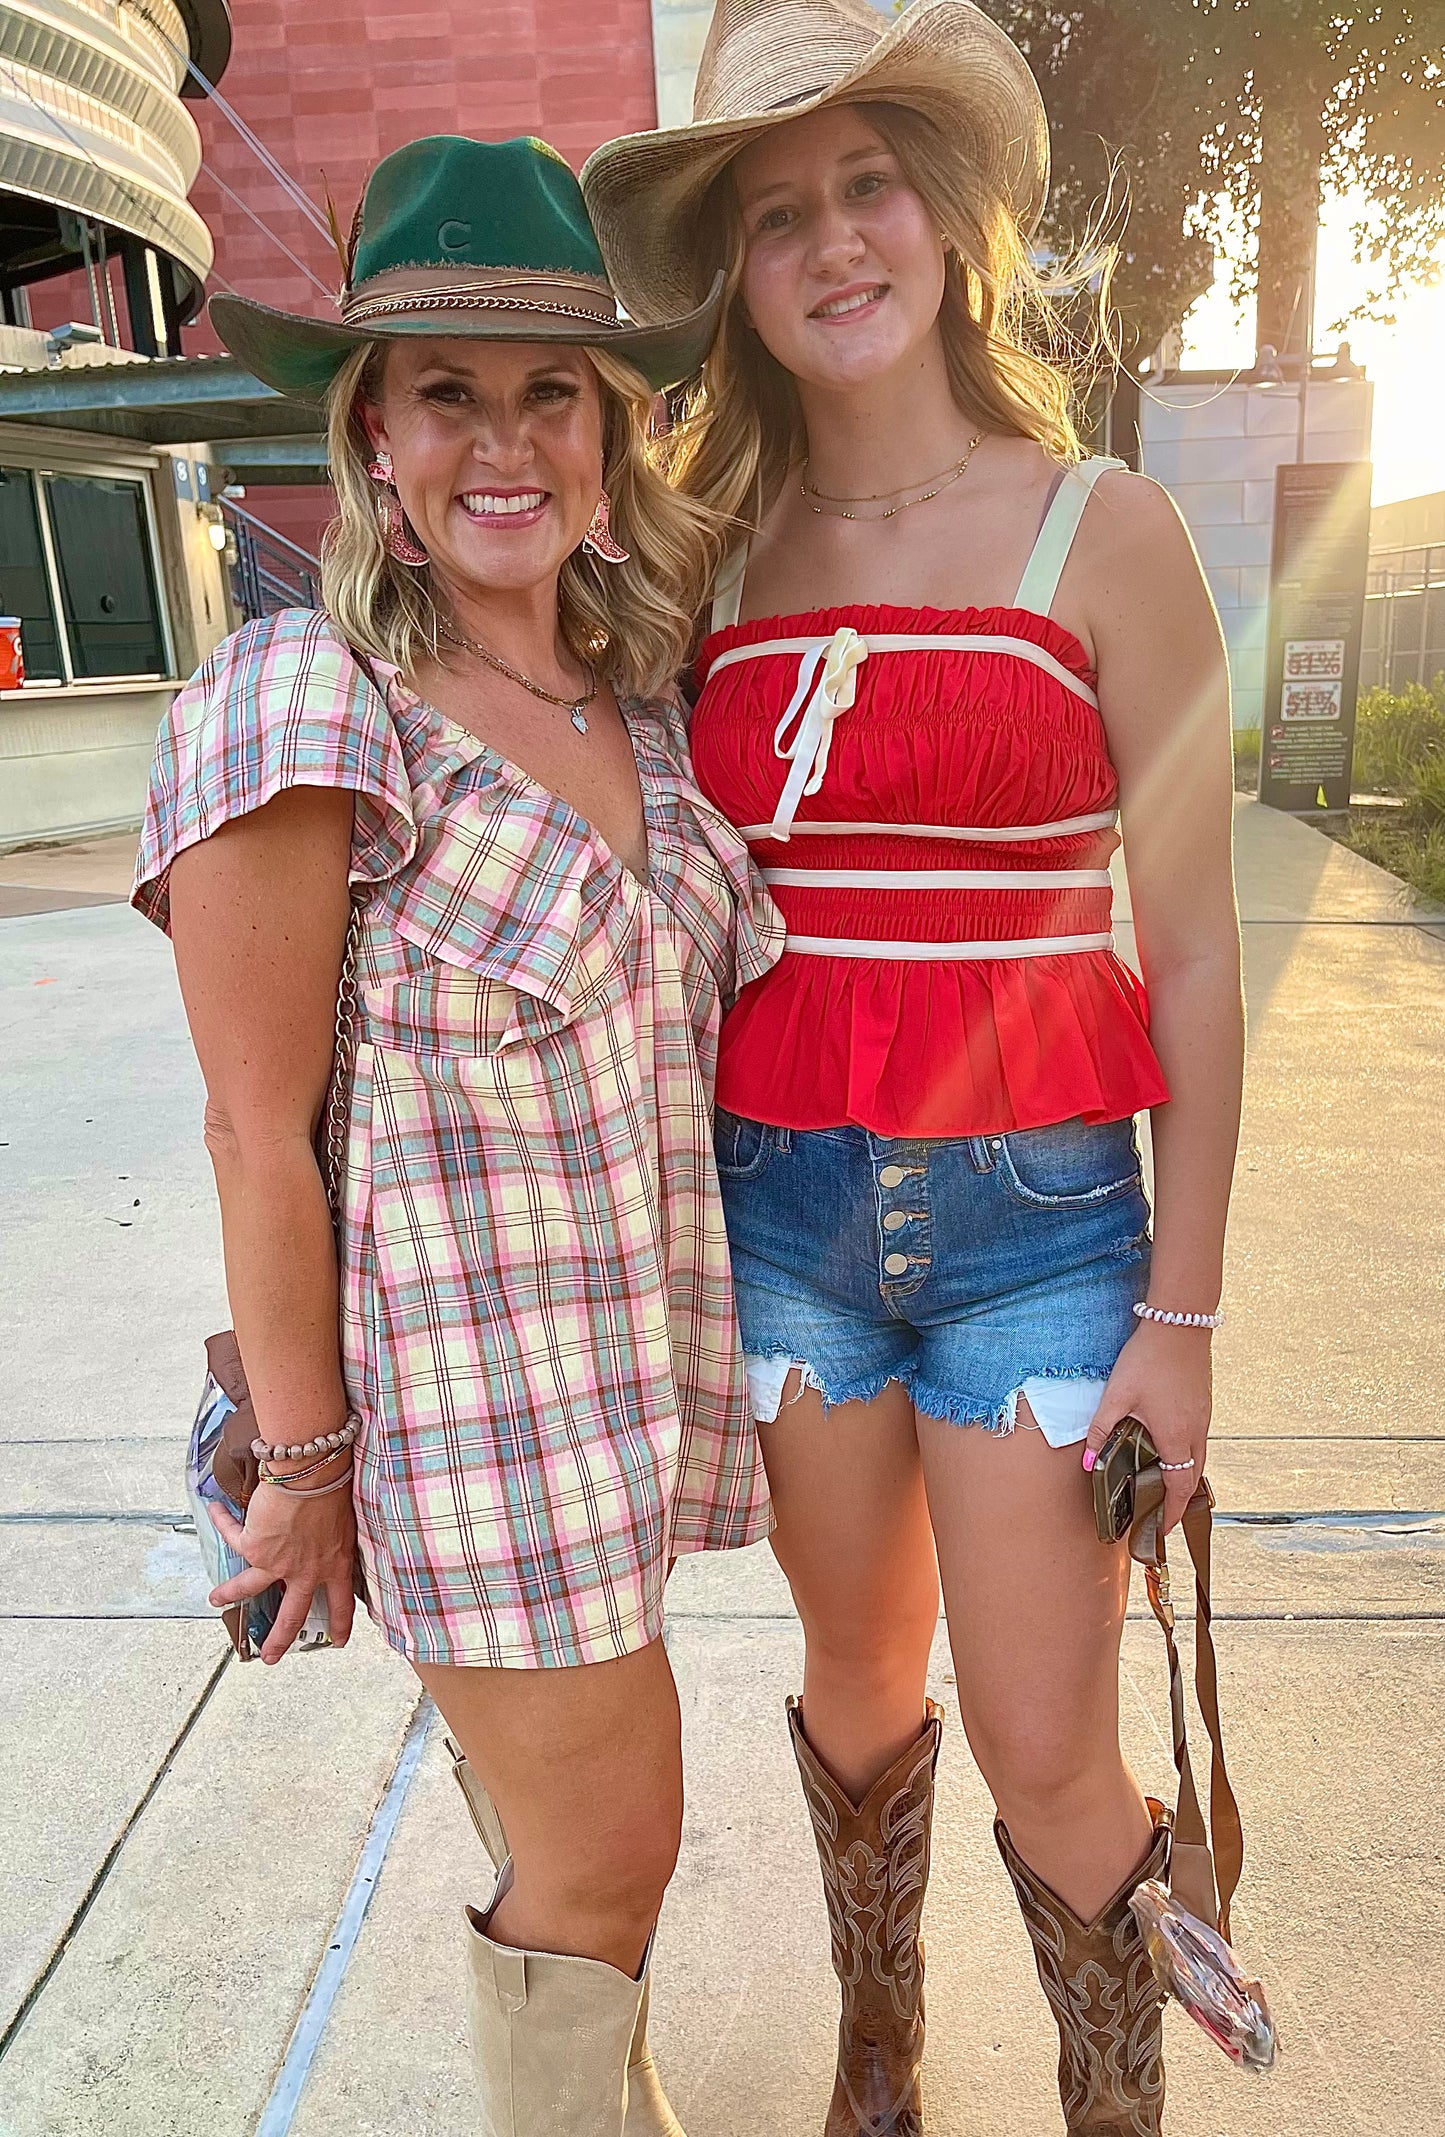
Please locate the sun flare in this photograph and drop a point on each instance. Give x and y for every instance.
(1403, 361)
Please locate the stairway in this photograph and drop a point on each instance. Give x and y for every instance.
(270, 572)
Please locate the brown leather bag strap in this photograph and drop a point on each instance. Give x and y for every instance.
(1225, 1827)
(1196, 1866)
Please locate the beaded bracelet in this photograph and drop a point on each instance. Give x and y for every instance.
(312, 1491)
(1179, 1320)
(324, 1444)
(297, 1476)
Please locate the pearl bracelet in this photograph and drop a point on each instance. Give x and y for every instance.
(324, 1444)
(1179, 1320)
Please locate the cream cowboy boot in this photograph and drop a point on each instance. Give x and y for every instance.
(550, 2035)
(649, 2113)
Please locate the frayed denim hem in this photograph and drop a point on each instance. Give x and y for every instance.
(963, 1410)
(953, 1409)
(767, 1376)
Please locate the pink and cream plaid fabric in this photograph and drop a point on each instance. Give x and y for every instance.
(537, 1315)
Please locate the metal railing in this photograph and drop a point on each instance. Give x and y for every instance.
(1404, 617)
(270, 572)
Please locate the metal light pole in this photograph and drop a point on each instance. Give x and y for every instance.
(1307, 357)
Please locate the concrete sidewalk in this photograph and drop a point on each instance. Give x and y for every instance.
(57, 879)
(185, 1846)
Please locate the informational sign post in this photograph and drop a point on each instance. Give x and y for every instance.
(1316, 621)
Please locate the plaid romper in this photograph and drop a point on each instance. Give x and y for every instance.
(537, 1318)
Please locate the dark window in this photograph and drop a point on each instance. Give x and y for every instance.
(103, 551)
(24, 582)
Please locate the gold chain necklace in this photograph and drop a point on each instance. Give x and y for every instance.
(575, 707)
(808, 493)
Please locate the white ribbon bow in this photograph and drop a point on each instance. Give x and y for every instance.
(826, 686)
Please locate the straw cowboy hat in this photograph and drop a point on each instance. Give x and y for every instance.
(487, 240)
(768, 61)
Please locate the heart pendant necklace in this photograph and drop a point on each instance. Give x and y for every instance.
(575, 707)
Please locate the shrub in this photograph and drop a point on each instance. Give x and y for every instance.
(1427, 789)
(1416, 856)
(1396, 732)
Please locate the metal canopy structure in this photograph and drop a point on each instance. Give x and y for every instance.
(259, 436)
(98, 151)
(208, 25)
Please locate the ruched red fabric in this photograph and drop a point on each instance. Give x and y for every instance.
(956, 738)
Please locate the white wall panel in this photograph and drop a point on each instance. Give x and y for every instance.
(1215, 449)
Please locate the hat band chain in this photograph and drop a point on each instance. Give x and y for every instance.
(467, 301)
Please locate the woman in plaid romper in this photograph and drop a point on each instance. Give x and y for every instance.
(538, 1373)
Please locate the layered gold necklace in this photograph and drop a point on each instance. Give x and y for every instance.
(940, 483)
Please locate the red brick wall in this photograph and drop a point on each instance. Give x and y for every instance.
(331, 86)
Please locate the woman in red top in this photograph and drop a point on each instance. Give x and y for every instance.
(946, 662)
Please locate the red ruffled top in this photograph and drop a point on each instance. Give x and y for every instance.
(964, 738)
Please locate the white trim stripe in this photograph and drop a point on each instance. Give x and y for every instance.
(910, 642)
(969, 834)
(947, 952)
(939, 878)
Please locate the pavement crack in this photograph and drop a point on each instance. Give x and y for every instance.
(132, 1439)
(1425, 922)
(1393, 1521)
(182, 1524)
(280, 2110)
(105, 1617)
(1325, 1439)
(1279, 1616)
(112, 1856)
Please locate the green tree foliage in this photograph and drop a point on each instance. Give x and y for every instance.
(1258, 104)
(1104, 67)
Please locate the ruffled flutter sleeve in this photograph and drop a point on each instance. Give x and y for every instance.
(282, 703)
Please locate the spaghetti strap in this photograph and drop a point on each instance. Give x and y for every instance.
(727, 593)
(1050, 552)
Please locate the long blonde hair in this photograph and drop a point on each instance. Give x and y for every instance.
(634, 620)
(1009, 354)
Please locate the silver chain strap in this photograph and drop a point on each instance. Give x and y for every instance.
(338, 1095)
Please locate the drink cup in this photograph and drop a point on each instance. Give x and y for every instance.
(12, 659)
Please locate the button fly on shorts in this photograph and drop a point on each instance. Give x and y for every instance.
(904, 1228)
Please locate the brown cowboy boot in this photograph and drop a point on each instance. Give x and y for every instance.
(875, 1873)
(1105, 1997)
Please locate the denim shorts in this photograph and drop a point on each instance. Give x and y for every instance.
(973, 1269)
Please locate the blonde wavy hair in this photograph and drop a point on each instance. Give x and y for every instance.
(633, 620)
(1013, 361)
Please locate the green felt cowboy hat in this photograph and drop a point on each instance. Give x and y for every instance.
(487, 240)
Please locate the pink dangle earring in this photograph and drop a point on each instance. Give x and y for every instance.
(394, 532)
(599, 537)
